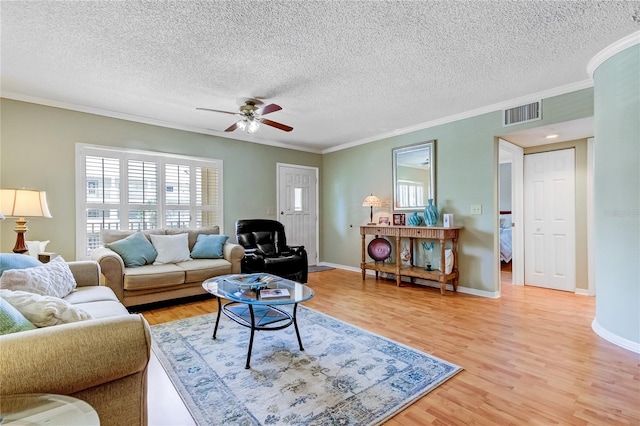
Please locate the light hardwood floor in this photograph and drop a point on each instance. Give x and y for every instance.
(529, 357)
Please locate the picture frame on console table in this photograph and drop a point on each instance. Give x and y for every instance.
(383, 220)
(399, 219)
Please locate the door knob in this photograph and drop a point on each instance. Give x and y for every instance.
(281, 212)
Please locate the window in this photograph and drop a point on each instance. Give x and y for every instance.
(138, 190)
(410, 193)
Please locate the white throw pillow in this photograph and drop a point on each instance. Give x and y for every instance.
(51, 279)
(36, 247)
(171, 248)
(44, 311)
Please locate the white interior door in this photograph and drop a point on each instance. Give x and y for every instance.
(549, 213)
(297, 206)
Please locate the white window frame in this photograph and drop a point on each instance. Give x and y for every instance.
(123, 155)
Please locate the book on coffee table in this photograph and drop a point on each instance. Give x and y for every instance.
(274, 293)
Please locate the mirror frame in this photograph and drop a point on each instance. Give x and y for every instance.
(431, 188)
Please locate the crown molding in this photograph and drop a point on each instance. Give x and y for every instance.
(142, 119)
(562, 90)
(611, 50)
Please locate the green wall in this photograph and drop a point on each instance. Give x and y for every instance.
(466, 174)
(37, 148)
(617, 194)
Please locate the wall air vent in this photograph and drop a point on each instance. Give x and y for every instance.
(522, 114)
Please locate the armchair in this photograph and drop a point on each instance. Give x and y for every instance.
(266, 250)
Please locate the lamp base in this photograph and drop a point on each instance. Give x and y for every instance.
(21, 228)
(20, 246)
(371, 223)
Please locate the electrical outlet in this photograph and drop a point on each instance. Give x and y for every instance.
(476, 208)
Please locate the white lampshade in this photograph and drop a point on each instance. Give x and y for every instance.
(23, 203)
(371, 201)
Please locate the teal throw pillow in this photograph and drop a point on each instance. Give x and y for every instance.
(135, 250)
(209, 246)
(11, 320)
(17, 261)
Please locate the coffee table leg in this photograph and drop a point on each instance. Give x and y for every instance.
(215, 329)
(253, 330)
(295, 325)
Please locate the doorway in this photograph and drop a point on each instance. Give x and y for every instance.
(298, 206)
(511, 164)
(549, 227)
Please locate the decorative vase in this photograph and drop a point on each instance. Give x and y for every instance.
(428, 251)
(414, 220)
(431, 213)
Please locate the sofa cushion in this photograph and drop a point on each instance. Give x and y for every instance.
(209, 246)
(135, 250)
(171, 248)
(103, 308)
(198, 270)
(16, 261)
(193, 233)
(153, 276)
(92, 293)
(11, 320)
(49, 279)
(44, 311)
(108, 236)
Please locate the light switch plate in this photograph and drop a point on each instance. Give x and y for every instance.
(476, 208)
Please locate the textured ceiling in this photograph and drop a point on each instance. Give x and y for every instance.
(344, 72)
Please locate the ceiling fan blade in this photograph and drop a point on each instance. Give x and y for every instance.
(269, 108)
(216, 110)
(277, 125)
(232, 127)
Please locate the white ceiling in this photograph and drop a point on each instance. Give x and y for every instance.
(344, 72)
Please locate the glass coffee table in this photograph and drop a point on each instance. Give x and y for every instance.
(253, 301)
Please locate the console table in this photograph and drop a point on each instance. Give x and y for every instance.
(414, 232)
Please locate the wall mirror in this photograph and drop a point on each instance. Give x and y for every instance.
(414, 172)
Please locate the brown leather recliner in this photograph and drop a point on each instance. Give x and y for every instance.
(266, 250)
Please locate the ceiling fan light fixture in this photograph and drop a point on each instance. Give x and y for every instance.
(242, 125)
(253, 126)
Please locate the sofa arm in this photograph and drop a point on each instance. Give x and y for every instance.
(233, 253)
(85, 272)
(69, 358)
(112, 268)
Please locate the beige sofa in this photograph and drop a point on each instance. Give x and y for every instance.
(102, 361)
(154, 283)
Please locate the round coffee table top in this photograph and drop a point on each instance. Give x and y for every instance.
(46, 409)
(253, 289)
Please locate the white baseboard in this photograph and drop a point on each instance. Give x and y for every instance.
(614, 338)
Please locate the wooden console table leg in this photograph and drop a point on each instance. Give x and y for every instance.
(364, 271)
(443, 269)
(455, 263)
(398, 262)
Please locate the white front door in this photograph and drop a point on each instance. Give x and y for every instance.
(297, 206)
(549, 213)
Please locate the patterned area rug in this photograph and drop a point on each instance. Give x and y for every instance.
(319, 268)
(345, 375)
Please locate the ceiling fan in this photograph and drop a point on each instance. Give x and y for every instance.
(252, 117)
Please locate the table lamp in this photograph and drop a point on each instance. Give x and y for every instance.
(371, 201)
(23, 203)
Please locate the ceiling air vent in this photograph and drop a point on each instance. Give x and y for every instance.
(522, 114)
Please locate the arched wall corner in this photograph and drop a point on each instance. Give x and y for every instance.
(616, 213)
(611, 50)
(614, 338)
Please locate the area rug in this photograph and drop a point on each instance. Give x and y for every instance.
(345, 375)
(319, 268)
